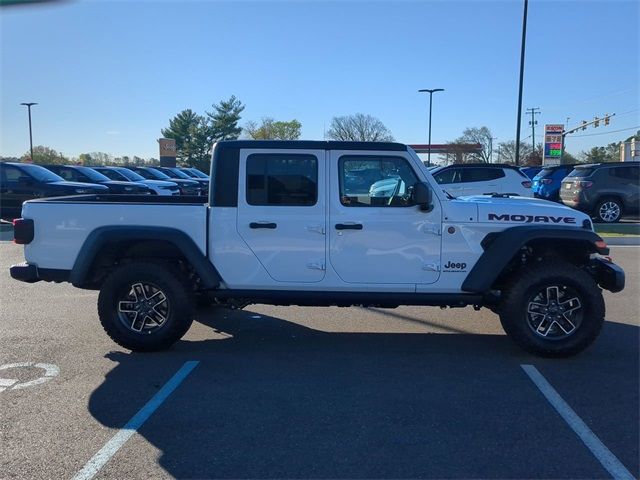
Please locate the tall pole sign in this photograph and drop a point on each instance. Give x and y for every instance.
(553, 139)
(167, 152)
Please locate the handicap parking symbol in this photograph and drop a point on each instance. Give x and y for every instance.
(49, 371)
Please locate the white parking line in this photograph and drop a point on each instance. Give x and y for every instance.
(118, 440)
(608, 460)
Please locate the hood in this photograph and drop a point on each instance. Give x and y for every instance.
(184, 181)
(159, 183)
(126, 186)
(523, 210)
(93, 186)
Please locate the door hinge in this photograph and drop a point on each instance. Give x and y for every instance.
(316, 228)
(431, 267)
(316, 265)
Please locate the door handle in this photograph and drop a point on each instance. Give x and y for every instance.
(268, 225)
(348, 226)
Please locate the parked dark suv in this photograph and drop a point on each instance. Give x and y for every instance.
(20, 182)
(77, 173)
(546, 184)
(606, 190)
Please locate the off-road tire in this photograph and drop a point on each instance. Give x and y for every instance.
(170, 282)
(601, 205)
(515, 304)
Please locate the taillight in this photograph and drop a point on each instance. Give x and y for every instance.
(22, 231)
(546, 181)
(526, 184)
(585, 184)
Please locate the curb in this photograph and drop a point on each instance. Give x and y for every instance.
(613, 241)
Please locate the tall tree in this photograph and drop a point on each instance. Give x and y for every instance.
(224, 119)
(358, 128)
(192, 135)
(270, 129)
(45, 155)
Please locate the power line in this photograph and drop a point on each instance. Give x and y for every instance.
(606, 133)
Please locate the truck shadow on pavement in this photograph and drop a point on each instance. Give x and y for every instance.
(273, 399)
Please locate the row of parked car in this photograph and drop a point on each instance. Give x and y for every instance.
(606, 191)
(20, 182)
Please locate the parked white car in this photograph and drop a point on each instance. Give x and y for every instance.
(480, 179)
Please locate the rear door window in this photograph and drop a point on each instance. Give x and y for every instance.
(282, 179)
(481, 174)
(626, 173)
(447, 176)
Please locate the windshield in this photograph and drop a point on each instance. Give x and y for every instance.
(153, 174)
(545, 172)
(195, 173)
(93, 175)
(175, 173)
(130, 175)
(41, 173)
(112, 174)
(581, 172)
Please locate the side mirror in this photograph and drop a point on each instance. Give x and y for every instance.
(422, 196)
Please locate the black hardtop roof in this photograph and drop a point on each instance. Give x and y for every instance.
(312, 145)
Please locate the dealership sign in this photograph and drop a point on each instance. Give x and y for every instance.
(553, 144)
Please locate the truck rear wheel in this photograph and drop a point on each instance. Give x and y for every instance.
(145, 306)
(553, 309)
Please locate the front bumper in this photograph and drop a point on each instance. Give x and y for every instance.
(29, 273)
(608, 275)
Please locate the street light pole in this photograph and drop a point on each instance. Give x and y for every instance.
(431, 92)
(522, 48)
(29, 105)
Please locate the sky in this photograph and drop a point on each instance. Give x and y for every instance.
(108, 75)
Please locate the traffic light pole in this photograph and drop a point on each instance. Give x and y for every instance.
(596, 121)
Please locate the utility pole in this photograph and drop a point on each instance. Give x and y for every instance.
(533, 122)
(29, 105)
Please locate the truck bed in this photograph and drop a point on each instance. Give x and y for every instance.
(62, 224)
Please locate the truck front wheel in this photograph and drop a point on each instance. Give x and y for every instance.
(145, 306)
(553, 309)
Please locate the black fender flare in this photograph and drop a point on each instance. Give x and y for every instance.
(102, 236)
(500, 248)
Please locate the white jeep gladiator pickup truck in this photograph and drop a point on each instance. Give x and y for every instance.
(298, 223)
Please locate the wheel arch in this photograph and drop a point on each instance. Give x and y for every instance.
(502, 250)
(107, 244)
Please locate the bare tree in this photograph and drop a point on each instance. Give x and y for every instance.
(358, 128)
(481, 135)
(507, 151)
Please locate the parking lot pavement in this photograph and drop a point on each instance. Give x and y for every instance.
(302, 392)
